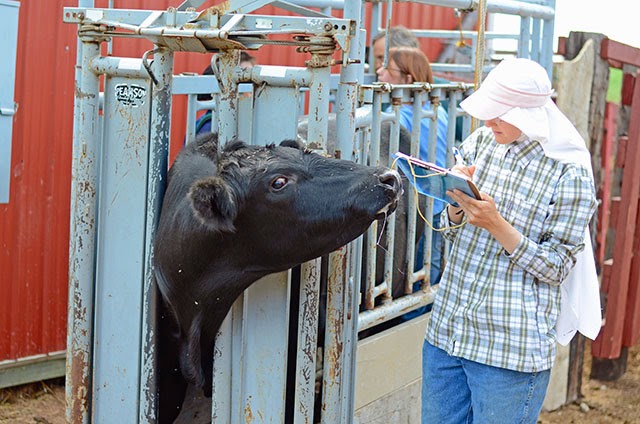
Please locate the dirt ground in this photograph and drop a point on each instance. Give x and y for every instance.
(602, 402)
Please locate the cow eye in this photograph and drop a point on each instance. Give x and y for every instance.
(279, 183)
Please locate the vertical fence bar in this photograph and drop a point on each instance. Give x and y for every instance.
(319, 105)
(160, 131)
(333, 369)
(307, 342)
(84, 194)
(227, 117)
(536, 40)
(546, 56)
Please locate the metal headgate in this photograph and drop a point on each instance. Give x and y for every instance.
(119, 170)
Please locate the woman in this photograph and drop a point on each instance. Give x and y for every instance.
(491, 339)
(407, 65)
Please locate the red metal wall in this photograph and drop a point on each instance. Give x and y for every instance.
(34, 226)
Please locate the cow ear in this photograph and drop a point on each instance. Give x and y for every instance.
(292, 143)
(214, 204)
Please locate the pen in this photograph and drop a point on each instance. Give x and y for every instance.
(458, 157)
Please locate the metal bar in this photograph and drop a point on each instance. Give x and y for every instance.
(333, 368)
(319, 105)
(536, 40)
(413, 203)
(223, 66)
(223, 370)
(352, 293)
(376, 21)
(307, 342)
(246, 100)
(394, 146)
(321, 4)
(82, 239)
(509, 7)
(479, 52)
(160, 131)
(546, 55)
(524, 42)
(335, 342)
(372, 232)
(428, 213)
(120, 248)
(118, 66)
(399, 306)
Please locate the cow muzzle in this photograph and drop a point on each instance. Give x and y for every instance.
(392, 184)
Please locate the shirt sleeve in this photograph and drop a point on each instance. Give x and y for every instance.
(551, 258)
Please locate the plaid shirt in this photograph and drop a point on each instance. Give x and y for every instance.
(500, 309)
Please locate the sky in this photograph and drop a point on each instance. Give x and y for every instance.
(617, 19)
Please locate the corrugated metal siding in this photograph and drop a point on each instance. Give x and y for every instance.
(34, 226)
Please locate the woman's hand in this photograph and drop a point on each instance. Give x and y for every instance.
(484, 214)
(467, 171)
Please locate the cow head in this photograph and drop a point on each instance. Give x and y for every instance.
(290, 205)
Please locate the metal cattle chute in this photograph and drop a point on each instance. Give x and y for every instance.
(120, 158)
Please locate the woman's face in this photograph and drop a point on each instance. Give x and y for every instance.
(392, 74)
(504, 132)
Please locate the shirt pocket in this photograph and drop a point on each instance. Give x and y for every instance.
(526, 215)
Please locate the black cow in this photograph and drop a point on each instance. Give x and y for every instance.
(234, 215)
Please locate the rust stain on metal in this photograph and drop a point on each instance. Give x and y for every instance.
(83, 95)
(78, 402)
(248, 414)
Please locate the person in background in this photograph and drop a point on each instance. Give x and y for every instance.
(203, 124)
(407, 65)
(491, 339)
(399, 36)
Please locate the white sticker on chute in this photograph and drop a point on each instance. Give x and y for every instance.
(264, 23)
(94, 14)
(130, 63)
(273, 71)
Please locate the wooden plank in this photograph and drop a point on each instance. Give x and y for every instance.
(607, 266)
(609, 369)
(622, 151)
(576, 362)
(628, 82)
(572, 47)
(604, 191)
(609, 343)
(631, 332)
(614, 50)
(599, 88)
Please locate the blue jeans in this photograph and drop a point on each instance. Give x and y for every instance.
(456, 390)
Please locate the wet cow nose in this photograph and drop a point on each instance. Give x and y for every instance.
(391, 179)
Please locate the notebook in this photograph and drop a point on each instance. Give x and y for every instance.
(434, 181)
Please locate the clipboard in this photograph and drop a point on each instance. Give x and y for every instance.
(434, 181)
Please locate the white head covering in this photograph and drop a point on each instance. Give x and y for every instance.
(518, 91)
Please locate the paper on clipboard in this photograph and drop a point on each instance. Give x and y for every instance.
(434, 181)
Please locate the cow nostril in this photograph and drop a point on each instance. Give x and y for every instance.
(391, 179)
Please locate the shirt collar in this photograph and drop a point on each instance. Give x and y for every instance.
(524, 150)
